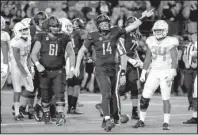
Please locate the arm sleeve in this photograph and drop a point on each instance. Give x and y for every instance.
(88, 41)
(119, 32)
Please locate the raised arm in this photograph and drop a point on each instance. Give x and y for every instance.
(138, 22)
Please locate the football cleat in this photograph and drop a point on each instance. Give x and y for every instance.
(117, 122)
(124, 118)
(21, 111)
(109, 124)
(18, 117)
(190, 107)
(60, 119)
(38, 113)
(191, 121)
(31, 113)
(99, 108)
(75, 111)
(47, 118)
(140, 123)
(166, 126)
(135, 115)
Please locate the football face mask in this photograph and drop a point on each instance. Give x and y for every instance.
(160, 29)
(104, 26)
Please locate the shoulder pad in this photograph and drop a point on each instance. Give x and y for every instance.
(5, 36)
(173, 41)
(149, 39)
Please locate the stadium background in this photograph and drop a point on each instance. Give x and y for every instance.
(180, 15)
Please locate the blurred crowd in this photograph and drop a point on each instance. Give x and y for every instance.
(180, 15)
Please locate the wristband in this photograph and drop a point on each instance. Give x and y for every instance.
(144, 71)
(37, 63)
(123, 72)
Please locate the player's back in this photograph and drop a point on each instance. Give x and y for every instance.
(161, 57)
(23, 46)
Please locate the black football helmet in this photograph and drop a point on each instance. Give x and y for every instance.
(129, 20)
(103, 23)
(136, 32)
(39, 18)
(78, 23)
(52, 25)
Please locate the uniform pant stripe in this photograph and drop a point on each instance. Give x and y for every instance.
(116, 91)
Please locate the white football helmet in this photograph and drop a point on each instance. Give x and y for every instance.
(160, 29)
(67, 26)
(2, 23)
(21, 30)
(26, 21)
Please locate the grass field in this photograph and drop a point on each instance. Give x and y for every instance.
(90, 121)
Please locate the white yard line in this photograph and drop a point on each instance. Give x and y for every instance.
(41, 123)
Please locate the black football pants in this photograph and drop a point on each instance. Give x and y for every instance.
(53, 82)
(107, 81)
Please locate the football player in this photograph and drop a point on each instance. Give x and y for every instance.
(105, 45)
(162, 56)
(54, 47)
(35, 28)
(131, 45)
(78, 36)
(20, 48)
(5, 39)
(193, 120)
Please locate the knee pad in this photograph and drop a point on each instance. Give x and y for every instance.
(194, 104)
(28, 94)
(60, 103)
(45, 104)
(122, 90)
(144, 103)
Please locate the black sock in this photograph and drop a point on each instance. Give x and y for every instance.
(69, 100)
(134, 109)
(74, 101)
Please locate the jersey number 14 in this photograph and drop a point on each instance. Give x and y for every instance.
(53, 49)
(106, 48)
